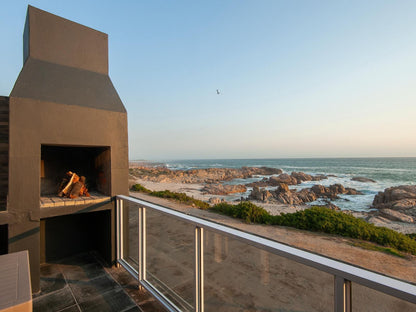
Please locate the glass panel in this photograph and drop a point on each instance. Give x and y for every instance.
(240, 277)
(367, 300)
(131, 234)
(170, 258)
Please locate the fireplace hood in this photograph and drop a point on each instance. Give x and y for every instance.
(65, 62)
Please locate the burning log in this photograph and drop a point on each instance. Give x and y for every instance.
(73, 186)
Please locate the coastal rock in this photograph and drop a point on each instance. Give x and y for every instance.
(404, 204)
(293, 179)
(275, 181)
(284, 178)
(333, 191)
(221, 189)
(397, 203)
(398, 197)
(352, 191)
(283, 188)
(362, 179)
(284, 195)
(319, 177)
(395, 216)
(306, 196)
(301, 176)
(209, 175)
(215, 200)
(319, 190)
(260, 195)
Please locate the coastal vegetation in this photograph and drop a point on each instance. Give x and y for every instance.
(180, 197)
(316, 219)
(321, 219)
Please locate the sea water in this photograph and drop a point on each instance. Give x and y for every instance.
(387, 172)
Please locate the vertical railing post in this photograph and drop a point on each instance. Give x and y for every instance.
(199, 269)
(119, 228)
(142, 243)
(342, 295)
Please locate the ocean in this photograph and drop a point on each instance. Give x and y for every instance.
(386, 172)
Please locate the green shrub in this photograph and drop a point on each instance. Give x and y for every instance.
(244, 210)
(140, 188)
(181, 197)
(321, 219)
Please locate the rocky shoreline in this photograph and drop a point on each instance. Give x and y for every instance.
(394, 208)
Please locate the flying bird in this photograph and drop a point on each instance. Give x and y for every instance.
(218, 92)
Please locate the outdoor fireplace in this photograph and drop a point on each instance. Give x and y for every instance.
(91, 162)
(64, 115)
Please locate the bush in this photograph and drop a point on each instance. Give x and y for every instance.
(321, 219)
(140, 188)
(244, 210)
(181, 197)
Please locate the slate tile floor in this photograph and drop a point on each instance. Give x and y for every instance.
(81, 283)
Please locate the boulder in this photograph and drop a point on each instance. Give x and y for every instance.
(393, 195)
(306, 195)
(337, 189)
(283, 188)
(319, 177)
(215, 200)
(284, 178)
(395, 216)
(362, 179)
(319, 189)
(221, 189)
(260, 195)
(301, 176)
(397, 203)
(352, 191)
(333, 191)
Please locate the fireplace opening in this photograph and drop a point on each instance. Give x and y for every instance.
(64, 236)
(91, 162)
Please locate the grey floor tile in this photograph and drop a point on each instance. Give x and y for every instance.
(55, 301)
(84, 290)
(51, 279)
(83, 273)
(73, 308)
(133, 309)
(112, 301)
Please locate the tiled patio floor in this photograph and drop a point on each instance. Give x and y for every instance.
(81, 283)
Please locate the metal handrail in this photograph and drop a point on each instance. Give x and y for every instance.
(344, 273)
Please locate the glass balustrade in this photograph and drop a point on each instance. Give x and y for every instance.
(240, 277)
(170, 258)
(365, 299)
(191, 264)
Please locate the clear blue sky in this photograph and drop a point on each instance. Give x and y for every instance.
(297, 78)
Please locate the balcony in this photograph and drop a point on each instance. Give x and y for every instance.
(192, 264)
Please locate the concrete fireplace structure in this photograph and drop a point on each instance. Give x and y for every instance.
(63, 114)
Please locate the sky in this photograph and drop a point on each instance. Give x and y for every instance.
(296, 78)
